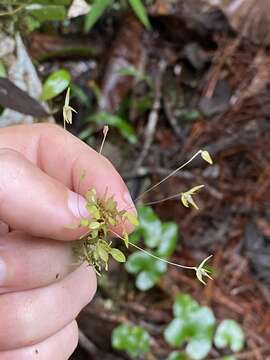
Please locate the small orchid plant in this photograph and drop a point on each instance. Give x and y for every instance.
(96, 245)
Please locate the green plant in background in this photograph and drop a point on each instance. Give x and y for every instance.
(125, 129)
(229, 334)
(31, 14)
(160, 238)
(132, 339)
(177, 355)
(99, 6)
(193, 327)
(55, 84)
(193, 324)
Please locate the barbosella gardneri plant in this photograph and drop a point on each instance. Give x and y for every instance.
(97, 245)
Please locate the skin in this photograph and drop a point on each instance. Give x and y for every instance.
(42, 290)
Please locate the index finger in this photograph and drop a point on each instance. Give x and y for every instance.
(64, 157)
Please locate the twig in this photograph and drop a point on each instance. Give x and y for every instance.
(153, 116)
(87, 344)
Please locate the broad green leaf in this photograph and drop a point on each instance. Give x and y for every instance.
(96, 11)
(193, 324)
(177, 355)
(125, 129)
(140, 11)
(177, 332)
(168, 240)
(146, 280)
(149, 270)
(103, 253)
(55, 84)
(229, 358)
(138, 261)
(151, 226)
(199, 347)
(229, 333)
(183, 305)
(133, 339)
(135, 237)
(118, 255)
(202, 320)
(47, 12)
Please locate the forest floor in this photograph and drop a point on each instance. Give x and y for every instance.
(210, 90)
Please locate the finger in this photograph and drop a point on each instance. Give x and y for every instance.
(34, 315)
(28, 262)
(34, 202)
(65, 157)
(4, 228)
(59, 346)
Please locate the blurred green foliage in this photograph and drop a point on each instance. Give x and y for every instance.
(229, 334)
(160, 238)
(99, 7)
(55, 84)
(132, 339)
(193, 324)
(125, 129)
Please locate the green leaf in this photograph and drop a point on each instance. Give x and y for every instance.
(137, 74)
(94, 225)
(229, 358)
(84, 222)
(55, 84)
(168, 240)
(193, 324)
(125, 129)
(97, 10)
(103, 253)
(146, 280)
(47, 12)
(177, 332)
(141, 12)
(118, 255)
(177, 355)
(138, 261)
(184, 305)
(151, 226)
(133, 339)
(131, 218)
(199, 347)
(229, 333)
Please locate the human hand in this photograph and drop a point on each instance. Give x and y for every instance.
(41, 290)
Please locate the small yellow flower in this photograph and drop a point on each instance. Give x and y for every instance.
(67, 109)
(187, 199)
(201, 271)
(206, 156)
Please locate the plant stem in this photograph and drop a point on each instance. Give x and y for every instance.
(156, 257)
(163, 260)
(170, 175)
